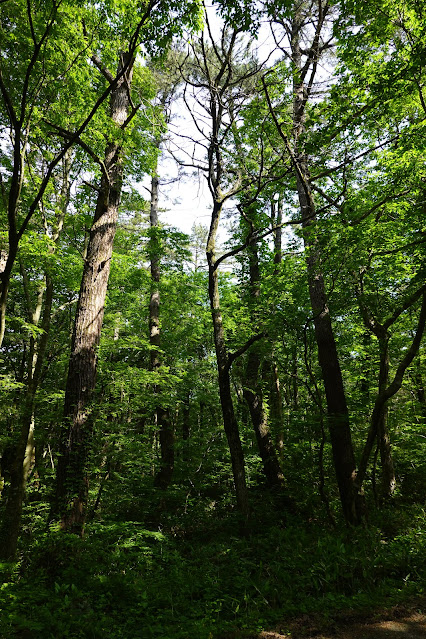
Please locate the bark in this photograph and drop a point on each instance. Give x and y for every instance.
(20, 122)
(379, 419)
(254, 398)
(420, 387)
(337, 410)
(275, 394)
(167, 449)
(71, 480)
(23, 451)
(388, 392)
(228, 413)
(276, 408)
(388, 471)
(186, 427)
(253, 391)
(5, 282)
(24, 456)
(277, 219)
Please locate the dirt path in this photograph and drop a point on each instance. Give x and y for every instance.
(407, 622)
(411, 627)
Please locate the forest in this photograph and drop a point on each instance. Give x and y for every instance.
(210, 434)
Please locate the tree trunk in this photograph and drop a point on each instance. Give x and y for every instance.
(388, 471)
(276, 407)
(338, 415)
(229, 419)
(11, 524)
(420, 388)
(166, 434)
(186, 426)
(254, 398)
(389, 391)
(275, 394)
(277, 219)
(253, 392)
(71, 479)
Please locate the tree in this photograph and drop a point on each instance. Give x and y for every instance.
(305, 50)
(168, 78)
(71, 485)
(217, 81)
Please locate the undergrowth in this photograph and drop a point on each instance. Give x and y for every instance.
(198, 578)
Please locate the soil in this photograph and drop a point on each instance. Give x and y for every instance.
(412, 627)
(399, 622)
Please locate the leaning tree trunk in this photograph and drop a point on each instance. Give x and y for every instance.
(388, 392)
(254, 398)
(337, 409)
(222, 357)
(71, 478)
(338, 415)
(162, 414)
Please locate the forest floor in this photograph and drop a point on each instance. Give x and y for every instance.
(400, 622)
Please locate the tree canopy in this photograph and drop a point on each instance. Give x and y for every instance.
(245, 403)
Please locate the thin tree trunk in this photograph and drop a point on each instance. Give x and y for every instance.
(229, 419)
(275, 394)
(277, 219)
(420, 388)
(390, 390)
(253, 392)
(24, 457)
(388, 471)
(71, 479)
(254, 398)
(11, 524)
(276, 408)
(166, 434)
(186, 427)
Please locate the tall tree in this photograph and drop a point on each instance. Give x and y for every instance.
(72, 483)
(217, 81)
(30, 84)
(168, 78)
(305, 49)
(39, 315)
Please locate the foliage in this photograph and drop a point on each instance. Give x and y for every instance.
(198, 579)
(172, 563)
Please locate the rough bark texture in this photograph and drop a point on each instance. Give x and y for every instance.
(71, 480)
(338, 416)
(254, 398)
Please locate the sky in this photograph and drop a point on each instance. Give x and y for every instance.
(187, 200)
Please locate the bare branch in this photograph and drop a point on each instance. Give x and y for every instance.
(102, 68)
(233, 356)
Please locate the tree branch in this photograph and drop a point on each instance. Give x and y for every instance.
(233, 356)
